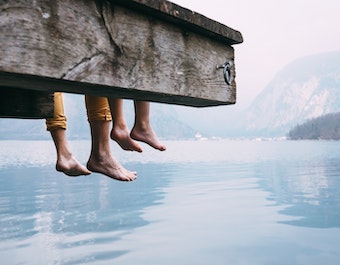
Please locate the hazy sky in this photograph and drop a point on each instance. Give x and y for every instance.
(275, 33)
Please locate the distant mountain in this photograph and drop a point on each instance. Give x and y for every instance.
(326, 127)
(306, 88)
(164, 121)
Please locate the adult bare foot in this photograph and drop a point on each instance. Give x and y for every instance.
(71, 167)
(148, 136)
(120, 134)
(110, 167)
(66, 162)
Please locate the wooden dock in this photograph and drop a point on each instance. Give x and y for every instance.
(150, 50)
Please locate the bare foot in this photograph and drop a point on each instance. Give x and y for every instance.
(147, 135)
(120, 134)
(110, 167)
(71, 167)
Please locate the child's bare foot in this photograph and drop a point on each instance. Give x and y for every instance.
(121, 135)
(110, 167)
(147, 135)
(71, 167)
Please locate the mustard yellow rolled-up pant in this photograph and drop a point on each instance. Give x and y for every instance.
(97, 109)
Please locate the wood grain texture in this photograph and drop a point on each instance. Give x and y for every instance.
(185, 18)
(109, 49)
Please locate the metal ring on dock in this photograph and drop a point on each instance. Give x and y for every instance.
(227, 66)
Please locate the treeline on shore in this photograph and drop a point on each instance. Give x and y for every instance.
(326, 127)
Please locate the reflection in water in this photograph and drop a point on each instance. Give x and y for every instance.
(308, 189)
(43, 211)
(211, 202)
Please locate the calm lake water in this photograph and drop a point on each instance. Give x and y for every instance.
(200, 202)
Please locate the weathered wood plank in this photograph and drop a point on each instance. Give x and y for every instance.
(52, 84)
(109, 48)
(185, 18)
(19, 103)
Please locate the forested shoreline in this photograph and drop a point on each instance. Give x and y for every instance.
(326, 127)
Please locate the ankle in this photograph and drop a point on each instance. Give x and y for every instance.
(120, 123)
(99, 156)
(142, 126)
(64, 154)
